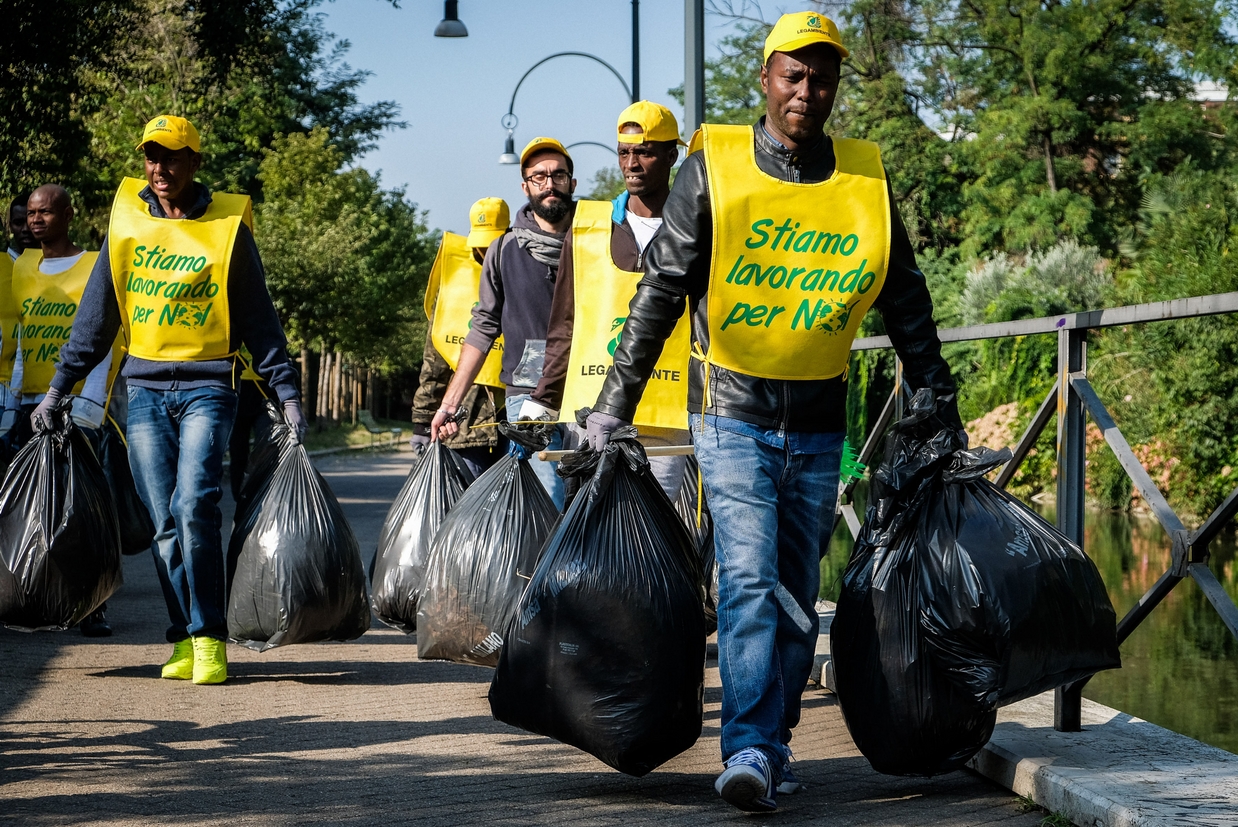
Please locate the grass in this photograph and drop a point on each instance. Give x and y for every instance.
(346, 434)
(1023, 804)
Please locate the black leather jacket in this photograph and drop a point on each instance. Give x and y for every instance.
(677, 271)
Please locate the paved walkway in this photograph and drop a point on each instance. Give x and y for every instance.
(365, 734)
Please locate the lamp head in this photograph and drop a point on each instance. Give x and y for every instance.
(450, 25)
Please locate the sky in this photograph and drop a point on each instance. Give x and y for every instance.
(453, 91)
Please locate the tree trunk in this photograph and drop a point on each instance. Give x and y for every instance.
(1049, 173)
(335, 386)
(369, 392)
(324, 384)
(307, 388)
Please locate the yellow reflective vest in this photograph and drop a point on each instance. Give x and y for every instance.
(171, 276)
(602, 295)
(46, 306)
(451, 295)
(794, 266)
(8, 320)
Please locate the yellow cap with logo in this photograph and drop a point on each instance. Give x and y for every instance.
(489, 218)
(172, 132)
(539, 144)
(795, 31)
(657, 123)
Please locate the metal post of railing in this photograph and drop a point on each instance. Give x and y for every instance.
(1071, 467)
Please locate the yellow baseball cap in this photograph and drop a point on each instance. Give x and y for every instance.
(489, 218)
(657, 123)
(172, 132)
(538, 144)
(804, 28)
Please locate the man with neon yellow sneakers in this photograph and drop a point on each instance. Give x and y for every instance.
(777, 238)
(180, 273)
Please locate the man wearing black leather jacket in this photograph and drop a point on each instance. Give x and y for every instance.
(767, 395)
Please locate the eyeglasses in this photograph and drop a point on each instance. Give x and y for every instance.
(560, 177)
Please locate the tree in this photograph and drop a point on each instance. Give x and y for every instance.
(347, 262)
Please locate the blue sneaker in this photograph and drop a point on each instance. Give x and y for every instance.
(748, 782)
(790, 784)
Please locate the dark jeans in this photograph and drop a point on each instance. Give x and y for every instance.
(177, 441)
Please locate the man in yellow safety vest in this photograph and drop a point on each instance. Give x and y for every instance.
(48, 281)
(180, 273)
(452, 291)
(603, 255)
(778, 238)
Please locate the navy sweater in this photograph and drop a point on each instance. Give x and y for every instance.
(254, 324)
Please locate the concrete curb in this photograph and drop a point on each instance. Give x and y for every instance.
(1121, 771)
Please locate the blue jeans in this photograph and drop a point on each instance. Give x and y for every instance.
(764, 489)
(177, 441)
(545, 470)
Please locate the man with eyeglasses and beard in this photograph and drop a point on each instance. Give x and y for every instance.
(517, 287)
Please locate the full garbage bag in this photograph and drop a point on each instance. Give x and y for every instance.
(59, 538)
(137, 531)
(957, 600)
(482, 557)
(607, 648)
(702, 533)
(432, 488)
(294, 567)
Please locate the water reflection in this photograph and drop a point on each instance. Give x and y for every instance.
(1180, 667)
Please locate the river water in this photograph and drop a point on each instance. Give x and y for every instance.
(1180, 667)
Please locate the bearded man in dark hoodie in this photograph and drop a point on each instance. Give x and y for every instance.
(517, 288)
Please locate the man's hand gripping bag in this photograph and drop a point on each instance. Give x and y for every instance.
(432, 488)
(483, 555)
(294, 567)
(59, 537)
(607, 649)
(957, 599)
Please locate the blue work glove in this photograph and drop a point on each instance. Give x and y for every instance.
(41, 419)
(599, 427)
(515, 449)
(296, 420)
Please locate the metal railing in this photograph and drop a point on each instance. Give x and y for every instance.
(1073, 399)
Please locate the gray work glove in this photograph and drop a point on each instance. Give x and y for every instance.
(42, 418)
(599, 427)
(296, 420)
(420, 443)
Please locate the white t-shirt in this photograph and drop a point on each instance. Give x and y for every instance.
(643, 228)
(56, 266)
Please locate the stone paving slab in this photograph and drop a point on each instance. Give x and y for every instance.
(363, 733)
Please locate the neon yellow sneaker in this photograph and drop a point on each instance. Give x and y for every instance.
(180, 666)
(210, 660)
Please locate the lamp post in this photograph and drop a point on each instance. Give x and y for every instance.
(609, 149)
(509, 120)
(450, 25)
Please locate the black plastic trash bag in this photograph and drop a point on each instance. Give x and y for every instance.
(607, 649)
(482, 557)
(957, 599)
(702, 536)
(432, 488)
(59, 538)
(137, 531)
(294, 567)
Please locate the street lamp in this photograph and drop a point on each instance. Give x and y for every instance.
(509, 120)
(609, 149)
(450, 25)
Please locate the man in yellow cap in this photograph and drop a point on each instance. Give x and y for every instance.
(517, 286)
(603, 255)
(778, 239)
(180, 273)
(455, 282)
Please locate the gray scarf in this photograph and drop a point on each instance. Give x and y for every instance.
(544, 247)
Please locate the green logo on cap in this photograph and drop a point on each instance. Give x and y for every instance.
(481, 218)
(161, 122)
(814, 21)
